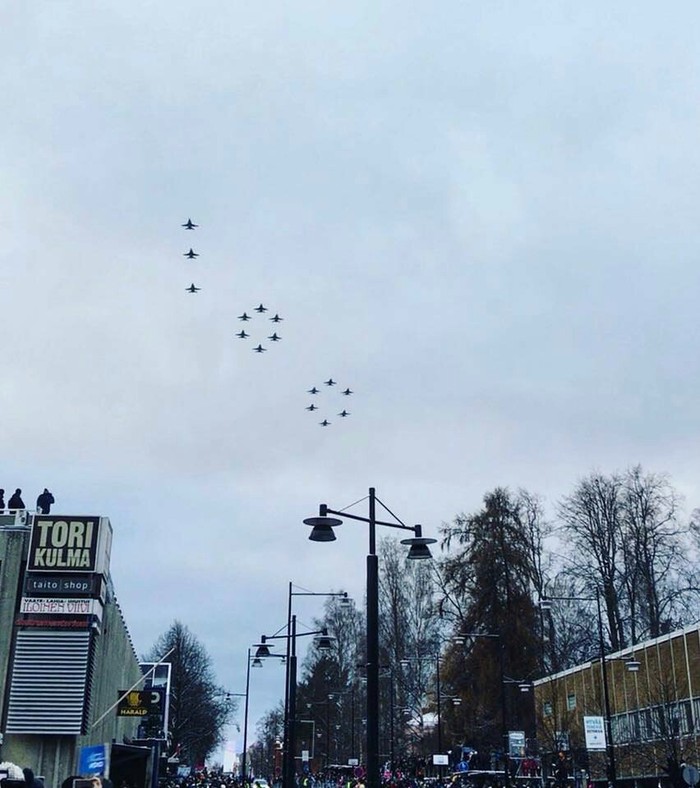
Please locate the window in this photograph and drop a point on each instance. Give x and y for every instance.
(571, 701)
(547, 708)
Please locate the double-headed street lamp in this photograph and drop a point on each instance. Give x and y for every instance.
(288, 766)
(323, 643)
(631, 664)
(322, 531)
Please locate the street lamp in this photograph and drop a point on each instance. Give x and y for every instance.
(324, 642)
(459, 640)
(631, 664)
(322, 531)
(288, 766)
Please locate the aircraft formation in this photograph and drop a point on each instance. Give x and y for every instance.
(260, 334)
(256, 334)
(329, 400)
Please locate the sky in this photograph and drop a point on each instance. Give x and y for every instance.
(478, 216)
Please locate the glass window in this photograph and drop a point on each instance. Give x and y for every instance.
(547, 708)
(571, 701)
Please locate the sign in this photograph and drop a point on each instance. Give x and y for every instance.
(140, 703)
(353, 762)
(60, 607)
(85, 585)
(94, 760)
(305, 756)
(594, 730)
(441, 760)
(561, 739)
(516, 744)
(691, 775)
(70, 544)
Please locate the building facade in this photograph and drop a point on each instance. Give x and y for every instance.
(65, 651)
(653, 710)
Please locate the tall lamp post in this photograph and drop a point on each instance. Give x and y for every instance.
(322, 531)
(323, 643)
(288, 768)
(631, 664)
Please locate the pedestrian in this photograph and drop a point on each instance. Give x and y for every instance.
(31, 780)
(2, 500)
(16, 501)
(44, 501)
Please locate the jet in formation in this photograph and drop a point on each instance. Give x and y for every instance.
(329, 382)
(244, 316)
(277, 319)
(242, 335)
(261, 309)
(313, 390)
(312, 407)
(347, 392)
(193, 289)
(260, 349)
(344, 413)
(324, 423)
(190, 225)
(274, 337)
(191, 254)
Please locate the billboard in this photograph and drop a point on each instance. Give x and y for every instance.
(141, 703)
(70, 544)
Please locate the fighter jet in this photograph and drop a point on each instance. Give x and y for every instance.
(244, 316)
(329, 382)
(347, 392)
(313, 390)
(277, 319)
(344, 413)
(242, 335)
(190, 225)
(193, 289)
(191, 254)
(312, 407)
(274, 337)
(324, 423)
(261, 309)
(259, 349)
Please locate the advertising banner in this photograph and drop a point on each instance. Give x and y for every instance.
(594, 729)
(60, 607)
(70, 544)
(516, 744)
(141, 703)
(94, 760)
(65, 585)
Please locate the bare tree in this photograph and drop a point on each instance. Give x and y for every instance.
(199, 708)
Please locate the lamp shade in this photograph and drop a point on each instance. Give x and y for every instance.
(322, 528)
(418, 547)
(263, 650)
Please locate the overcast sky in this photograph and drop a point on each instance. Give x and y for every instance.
(479, 216)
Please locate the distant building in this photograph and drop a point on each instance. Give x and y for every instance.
(654, 713)
(65, 651)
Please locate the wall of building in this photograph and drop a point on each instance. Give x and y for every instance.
(113, 666)
(654, 712)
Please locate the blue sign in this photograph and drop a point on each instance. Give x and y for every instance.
(94, 760)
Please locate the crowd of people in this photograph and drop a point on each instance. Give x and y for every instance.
(44, 501)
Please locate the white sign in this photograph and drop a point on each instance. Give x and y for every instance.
(305, 756)
(60, 607)
(441, 760)
(594, 728)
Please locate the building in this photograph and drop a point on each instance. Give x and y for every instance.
(65, 651)
(653, 708)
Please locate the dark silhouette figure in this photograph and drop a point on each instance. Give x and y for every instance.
(2, 500)
(31, 779)
(44, 501)
(16, 501)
